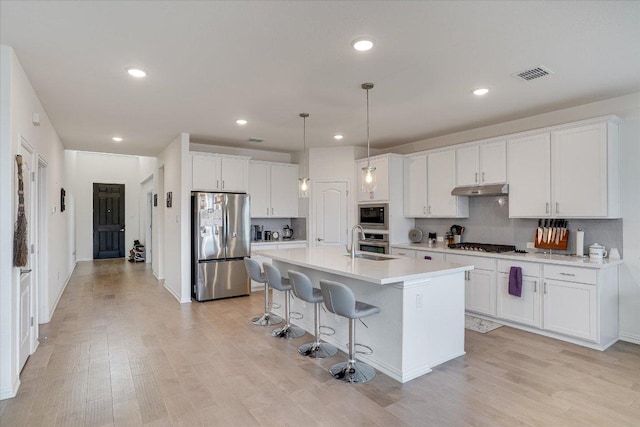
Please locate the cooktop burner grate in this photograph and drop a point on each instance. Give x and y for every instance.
(482, 247)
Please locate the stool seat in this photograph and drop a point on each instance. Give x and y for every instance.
(255, 273)
(340, 299)
(303, 289)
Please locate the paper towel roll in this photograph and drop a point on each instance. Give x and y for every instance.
(579, 243)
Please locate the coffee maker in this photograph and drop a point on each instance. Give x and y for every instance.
(257, 232)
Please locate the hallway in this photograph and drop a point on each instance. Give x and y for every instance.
(120, 350)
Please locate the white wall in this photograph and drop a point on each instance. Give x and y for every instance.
(175, 256)
(18, 101)
(105, 169)
(627, 108)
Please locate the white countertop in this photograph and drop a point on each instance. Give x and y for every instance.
(337, 261)
(570, 260)
(276, 242)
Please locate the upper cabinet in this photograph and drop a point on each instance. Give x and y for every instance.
(274, 190)
(429, 179)
(481, 163)
(215, 172)
(565, 173)
(381, 193)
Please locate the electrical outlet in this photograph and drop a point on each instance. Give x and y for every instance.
(531, 245)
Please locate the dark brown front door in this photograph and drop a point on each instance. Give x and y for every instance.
(108, 221)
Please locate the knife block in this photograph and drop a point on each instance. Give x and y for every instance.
(561, 246)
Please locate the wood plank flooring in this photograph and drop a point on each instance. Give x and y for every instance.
(120, 350)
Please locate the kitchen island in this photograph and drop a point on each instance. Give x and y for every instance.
(421, 319)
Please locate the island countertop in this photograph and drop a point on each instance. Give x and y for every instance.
(393, 270)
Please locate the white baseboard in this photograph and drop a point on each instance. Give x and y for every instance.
(175, 295)
(632, 338)
(53, 307)
(9, 392)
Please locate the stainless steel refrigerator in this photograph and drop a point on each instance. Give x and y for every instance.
(220, 239)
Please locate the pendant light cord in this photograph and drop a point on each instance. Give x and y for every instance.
(368, 149)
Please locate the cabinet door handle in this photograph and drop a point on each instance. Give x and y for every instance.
(482, 176)
(547, 208)
(545, 287)
(429, 209)
(217, 183)
(223, 184)
(535, 287)
(557, 207)
(476, 177)
(271, 211)
(424, 209)
(267, 211)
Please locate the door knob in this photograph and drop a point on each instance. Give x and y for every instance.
(319, 239)
(122, 229)
(25, 271)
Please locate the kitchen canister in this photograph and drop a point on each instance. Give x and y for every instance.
(597, 251)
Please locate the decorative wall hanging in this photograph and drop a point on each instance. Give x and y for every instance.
(62, 194)
(169, 197)
(20, 249)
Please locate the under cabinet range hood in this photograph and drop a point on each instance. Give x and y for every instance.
(482, 190)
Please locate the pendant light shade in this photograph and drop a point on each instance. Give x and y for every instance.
(368, 172)
(303, 183)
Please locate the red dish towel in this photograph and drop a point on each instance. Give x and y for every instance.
(515, 281)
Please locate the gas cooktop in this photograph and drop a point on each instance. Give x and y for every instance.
(482, 247)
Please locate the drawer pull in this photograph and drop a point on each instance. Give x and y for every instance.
(567, 274)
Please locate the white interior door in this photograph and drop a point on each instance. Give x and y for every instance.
(331, 213)
(27, 273)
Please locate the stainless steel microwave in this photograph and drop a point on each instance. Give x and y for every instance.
(374, 216)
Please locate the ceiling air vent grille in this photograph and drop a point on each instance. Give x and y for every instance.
(533, 73)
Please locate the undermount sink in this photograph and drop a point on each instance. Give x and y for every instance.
(370, 257)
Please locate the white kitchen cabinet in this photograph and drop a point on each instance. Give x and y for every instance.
(429, 255)
(415, 186)
(274, 190)
(570, 308)
(381, 193)
(480, 283)
(527, 308)
(214, 172)
(403, 252)
(580, 174)
(429, 179)
(530, 176)
(481, 163)
(565, 173)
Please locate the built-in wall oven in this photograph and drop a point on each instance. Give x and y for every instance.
(374, 216)
(374, 242)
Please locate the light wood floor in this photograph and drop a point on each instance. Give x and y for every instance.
(120, 350)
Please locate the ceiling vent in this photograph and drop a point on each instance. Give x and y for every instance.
(533, 73)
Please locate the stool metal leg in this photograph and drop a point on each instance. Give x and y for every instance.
(288, 331)
(317, 349)
(267, 318)
(352, 371)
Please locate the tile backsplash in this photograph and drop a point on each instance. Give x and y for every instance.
(489, 222)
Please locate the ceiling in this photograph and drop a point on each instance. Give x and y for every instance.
(212, 62)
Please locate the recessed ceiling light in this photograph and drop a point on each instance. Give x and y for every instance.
(338, 136)
(136, 72)
(117, 138)
(241, 122)
(362, 44)
(481, 91)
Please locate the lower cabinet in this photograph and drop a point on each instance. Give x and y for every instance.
(480, 284)
(403, 252)
(570, 308)
(525, 309)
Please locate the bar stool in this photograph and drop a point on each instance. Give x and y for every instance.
(340, 300)
(303, 289)
(255, 273)
(275, 280)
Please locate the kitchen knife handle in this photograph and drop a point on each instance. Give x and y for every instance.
(547, 208)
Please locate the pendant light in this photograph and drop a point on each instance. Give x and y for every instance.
(368, 172)
(303, 183)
